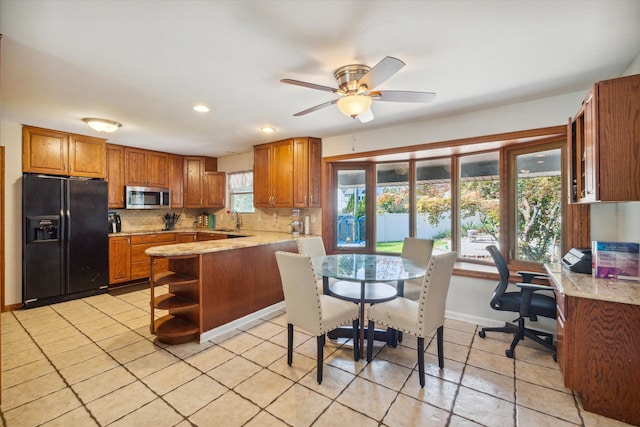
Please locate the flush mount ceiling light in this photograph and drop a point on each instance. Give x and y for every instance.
(200, 108)
(267, 129)
(354, 105)
(102, 125)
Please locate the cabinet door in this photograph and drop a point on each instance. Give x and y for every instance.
(590, 149)
(157, 168)
(300, 169)
(215, 184)
(282, 174)
(119, 259)
(44, 151)
(115, 175)
(193, 182)
(87, 156)
(135, 164)
(176, 176)
(315, 173)
(261, 176)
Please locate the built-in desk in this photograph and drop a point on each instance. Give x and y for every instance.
(599, 341)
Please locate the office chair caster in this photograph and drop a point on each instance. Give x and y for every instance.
(482, 334)
(509, 353)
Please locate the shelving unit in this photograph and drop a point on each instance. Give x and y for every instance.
(182, 322)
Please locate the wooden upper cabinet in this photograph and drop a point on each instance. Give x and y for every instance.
(287, 173)
(87, 156)
(115, 176)
(203, 185)
(604, 139)
(176, 177)
(58, 153)
(146, 168)
(215, 185)
(307, 161)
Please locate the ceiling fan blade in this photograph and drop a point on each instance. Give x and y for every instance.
(317, 107)
(309, 85)
(381, 72)
(402, 96)
(365, 117)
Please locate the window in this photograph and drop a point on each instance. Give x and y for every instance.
(241, 191)
(351, 208)
(433, 202)
(392, 206)
(511, 195)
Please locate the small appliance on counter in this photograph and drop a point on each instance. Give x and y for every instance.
(115, 223)
(578, 260)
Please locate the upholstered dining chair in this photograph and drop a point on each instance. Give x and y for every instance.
(419, 251)
(419, 318)
(308, 309)
(311, 246)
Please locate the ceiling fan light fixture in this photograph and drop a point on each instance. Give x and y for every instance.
(102, 125)
(354, 105)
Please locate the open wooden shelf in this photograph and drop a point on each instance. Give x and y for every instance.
(172, 278)
(170, 301)
(174, 330)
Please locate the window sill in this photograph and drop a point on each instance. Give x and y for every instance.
(486, 272)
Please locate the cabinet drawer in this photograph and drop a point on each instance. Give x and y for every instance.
(142, 270)
(561, 303)
(210, 236)
(153, 238)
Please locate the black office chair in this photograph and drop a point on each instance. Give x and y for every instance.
(527, 303)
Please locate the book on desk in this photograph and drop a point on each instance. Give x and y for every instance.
(616, 260)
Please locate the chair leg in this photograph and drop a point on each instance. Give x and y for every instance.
(320, 343)
(421, 360)
(289, 343)
(356, 339)
(440, 338)
(370, 332)
(517, 336)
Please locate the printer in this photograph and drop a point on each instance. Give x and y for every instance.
(578, 260)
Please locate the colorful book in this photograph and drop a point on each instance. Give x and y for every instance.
(616, 260)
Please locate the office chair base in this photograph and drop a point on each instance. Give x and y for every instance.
(520, 333)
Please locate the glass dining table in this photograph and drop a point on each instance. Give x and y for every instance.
(363, 279)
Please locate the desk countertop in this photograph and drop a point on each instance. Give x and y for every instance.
(586, 286)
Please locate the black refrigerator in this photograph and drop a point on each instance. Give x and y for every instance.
(65, 248)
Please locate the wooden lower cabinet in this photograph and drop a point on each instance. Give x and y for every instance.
(181, 323)
(141, 262)
(119, 259)
(599, 354)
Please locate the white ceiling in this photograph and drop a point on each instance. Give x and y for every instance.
(147, 63)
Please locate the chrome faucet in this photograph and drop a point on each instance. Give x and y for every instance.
(236, 218)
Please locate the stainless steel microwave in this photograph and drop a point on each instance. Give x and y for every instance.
(147, 197)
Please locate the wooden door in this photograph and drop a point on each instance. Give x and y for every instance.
(115, 176)
(215, 185)
(193, 182)
(135, 166)
(175, 177)
(45, 151)
(315, 173)
(261, 176)
(87, 156)
(119, 259)
(157, 168)
(590, 148)
(282, 174)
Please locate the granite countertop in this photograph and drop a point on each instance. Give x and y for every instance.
(253, 238)
(586, 286)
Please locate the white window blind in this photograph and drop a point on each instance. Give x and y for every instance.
(240, 191)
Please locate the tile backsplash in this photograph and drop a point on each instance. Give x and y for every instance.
(261, 220)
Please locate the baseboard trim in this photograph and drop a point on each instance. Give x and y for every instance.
(235, 324)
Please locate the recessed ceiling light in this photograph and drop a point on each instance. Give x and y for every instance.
(267, 129)
(201, 108)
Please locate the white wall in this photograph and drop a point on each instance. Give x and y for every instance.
(11, 138)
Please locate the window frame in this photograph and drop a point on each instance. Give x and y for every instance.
(230, 193)
(535, 139)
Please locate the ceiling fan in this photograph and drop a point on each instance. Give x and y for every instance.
(355, 84)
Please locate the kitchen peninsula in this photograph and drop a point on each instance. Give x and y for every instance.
(598, 341)
(214, 283)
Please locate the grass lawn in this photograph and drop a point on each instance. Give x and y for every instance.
(396, 247)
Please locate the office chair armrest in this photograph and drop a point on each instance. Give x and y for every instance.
(527, 290)
(528, 276)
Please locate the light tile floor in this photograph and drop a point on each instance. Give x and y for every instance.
(93, 362)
